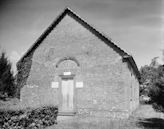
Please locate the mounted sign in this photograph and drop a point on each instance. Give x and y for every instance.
(79, 84)
(54, 84)
(31, 86)
(67, 73)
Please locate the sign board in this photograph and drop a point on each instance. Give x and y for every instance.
(54, 84)
(79, 85)
(31, 86)
(67, 73)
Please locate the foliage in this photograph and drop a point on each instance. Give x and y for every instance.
(157, 90)
(152, 84)
(28, 118)
(148, 76)
(7, 86)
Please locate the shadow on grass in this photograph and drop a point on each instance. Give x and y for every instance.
(151, 123)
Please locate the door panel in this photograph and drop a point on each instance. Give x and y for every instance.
(67, 91)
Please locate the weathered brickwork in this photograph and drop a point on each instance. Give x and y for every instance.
(23, 72)
(110, 85)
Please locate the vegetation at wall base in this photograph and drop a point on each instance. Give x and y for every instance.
(28, 118)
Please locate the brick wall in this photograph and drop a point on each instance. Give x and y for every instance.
(107, 79)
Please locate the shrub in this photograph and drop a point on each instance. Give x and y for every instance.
(28, 118)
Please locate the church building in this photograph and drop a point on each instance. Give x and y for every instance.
(75, 67)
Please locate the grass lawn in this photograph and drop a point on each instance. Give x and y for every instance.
(143, 118)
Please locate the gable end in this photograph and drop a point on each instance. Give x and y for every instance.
(69, 12)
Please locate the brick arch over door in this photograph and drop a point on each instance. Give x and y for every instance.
(68, 58)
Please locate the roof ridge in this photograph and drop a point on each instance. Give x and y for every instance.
(43, 33)
(95, 28)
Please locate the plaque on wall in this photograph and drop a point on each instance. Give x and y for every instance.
(31, 86)
(67, 73)
(54, 84)
(79, 85)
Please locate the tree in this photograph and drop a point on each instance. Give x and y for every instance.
(152, 84)
(157, 90)
(148, 75)
(7, 86)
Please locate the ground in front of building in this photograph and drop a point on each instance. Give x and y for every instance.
(143, 118)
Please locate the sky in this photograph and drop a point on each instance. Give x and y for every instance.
(137, 26)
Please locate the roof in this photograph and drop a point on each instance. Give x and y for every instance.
(68, 11)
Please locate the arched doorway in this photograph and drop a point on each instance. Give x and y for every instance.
(67, 69)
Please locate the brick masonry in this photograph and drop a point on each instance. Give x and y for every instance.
(110, 89)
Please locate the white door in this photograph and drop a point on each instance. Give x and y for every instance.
(67, 90)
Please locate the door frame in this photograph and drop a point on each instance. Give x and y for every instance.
(73, 112)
